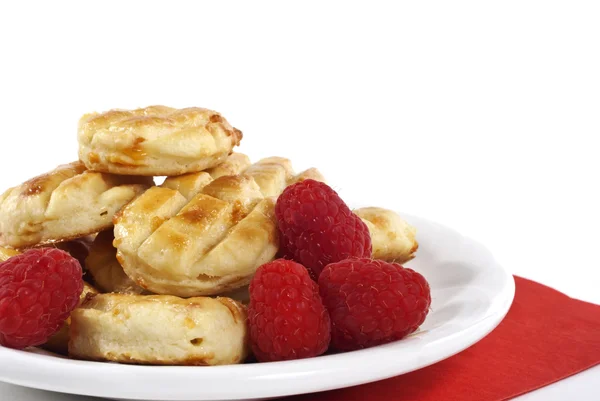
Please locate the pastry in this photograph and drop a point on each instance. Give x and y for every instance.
(159, 330)
(191, 184)
(310, 174)
(59, 342)
(66, 203)
(206, 243)
(393, 239)
(234, 164)
(155, 141)
(7, 253)
(274, 174)
(104, 268)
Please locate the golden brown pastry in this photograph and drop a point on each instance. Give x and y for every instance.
(205, 243)
(59, 342)
(104, 268)
(189, 185)
(7, 253)
(274, 174)
(159, 330)
(205, 246)
(155, 140)
(66, 203)
(310, 174)
(393, 238)
(234, 164)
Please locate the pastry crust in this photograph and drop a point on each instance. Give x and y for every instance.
(66, 203)
(7, 253)
(234, 164)
(310, 174)
(155, 140)
(393, 239)
(104, 268)
(59, 342)
(208, 243)
(189, 185)
(159, 330)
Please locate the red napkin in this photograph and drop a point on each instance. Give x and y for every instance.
(545, 337)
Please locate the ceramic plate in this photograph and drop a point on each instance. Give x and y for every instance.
(471, 294)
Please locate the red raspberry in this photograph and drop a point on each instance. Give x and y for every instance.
(318, 228)
(286, 316)
(372, 302)
(38, 291)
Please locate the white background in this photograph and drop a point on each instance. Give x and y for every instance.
(480, 115)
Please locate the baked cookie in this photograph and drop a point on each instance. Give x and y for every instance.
(155, 141)
(66, 203)
(394, 240)
(159, 330)
(104, 268)
(59, 342)
(203, 243)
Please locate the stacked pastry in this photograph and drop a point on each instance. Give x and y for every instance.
(168, 265)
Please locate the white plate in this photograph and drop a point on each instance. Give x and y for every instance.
(471, 295)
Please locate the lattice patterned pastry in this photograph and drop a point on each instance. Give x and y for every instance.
(66, 203)
(102, 263)
(159, 330)
(155, 141)
(272, 174)
(208, 243)
(191, 184)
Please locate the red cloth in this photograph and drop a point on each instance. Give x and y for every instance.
(545, 337)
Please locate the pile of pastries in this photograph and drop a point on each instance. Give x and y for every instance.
(166, 266)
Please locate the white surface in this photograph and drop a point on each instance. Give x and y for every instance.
(471, 294)
(479, 115)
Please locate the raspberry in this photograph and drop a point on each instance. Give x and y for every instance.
(372, 302)
(318, 228)
(286, 316)
(38, 291)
